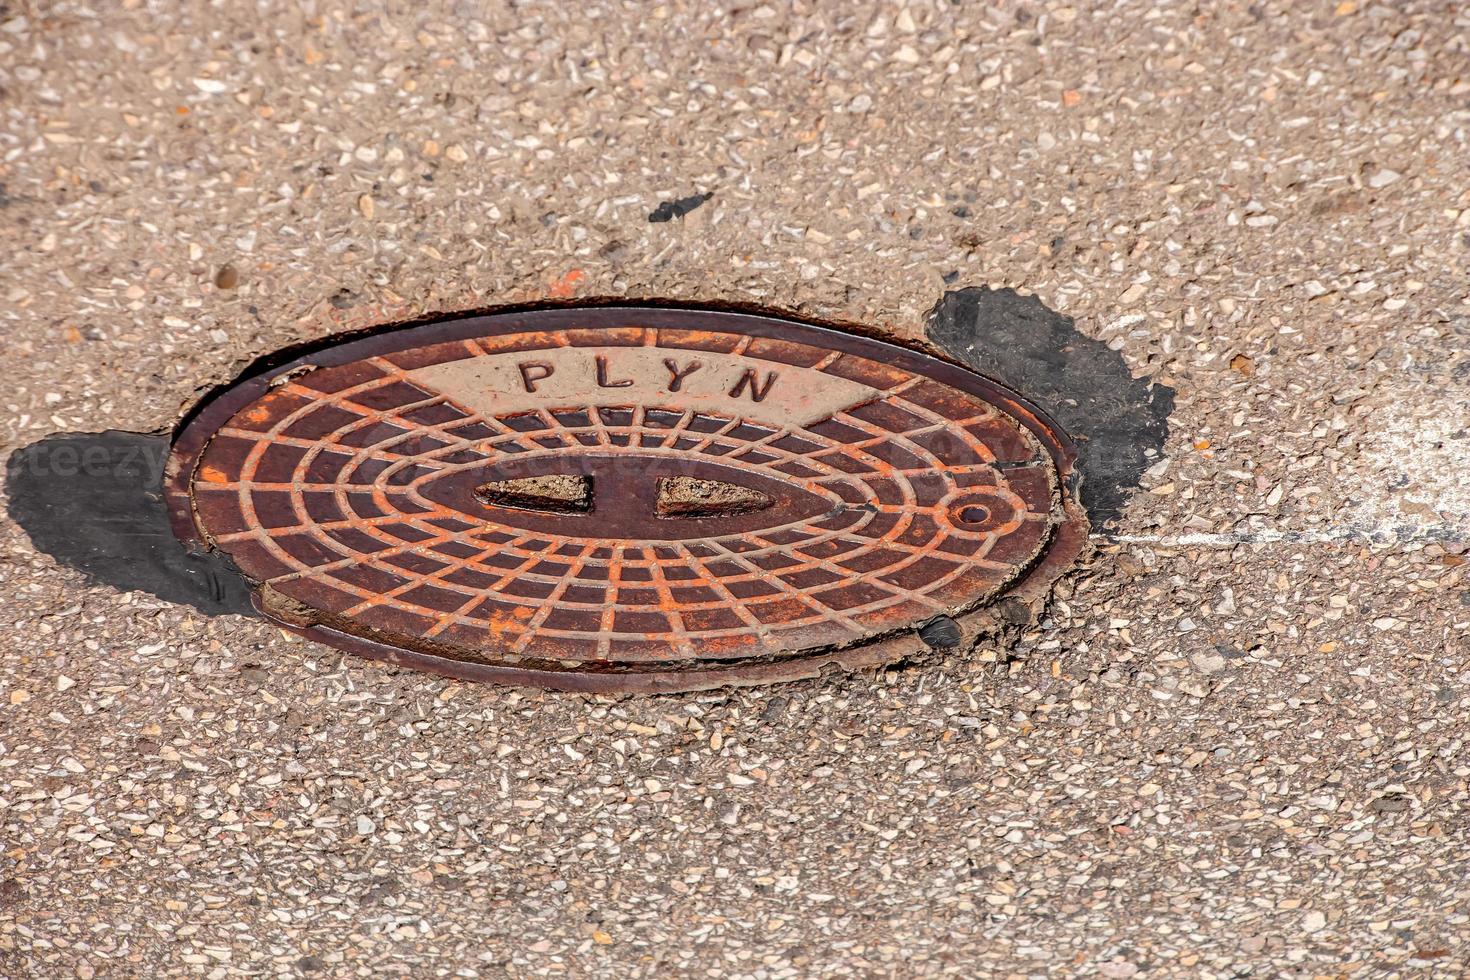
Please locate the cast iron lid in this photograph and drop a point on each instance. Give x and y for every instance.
(621, 498)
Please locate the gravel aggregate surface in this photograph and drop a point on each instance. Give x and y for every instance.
(1234, 746)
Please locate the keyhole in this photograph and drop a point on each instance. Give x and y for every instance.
(684, 496)
(556, 494)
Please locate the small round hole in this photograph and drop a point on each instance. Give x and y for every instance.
(973, 514)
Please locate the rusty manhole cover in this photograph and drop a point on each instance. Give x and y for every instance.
(622, 498)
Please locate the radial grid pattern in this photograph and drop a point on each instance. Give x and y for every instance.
(323, 489)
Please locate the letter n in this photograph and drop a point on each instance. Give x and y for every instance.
(749, 380)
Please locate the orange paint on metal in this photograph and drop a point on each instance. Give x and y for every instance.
(898, 488)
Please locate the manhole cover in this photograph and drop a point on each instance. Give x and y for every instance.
(626, 499)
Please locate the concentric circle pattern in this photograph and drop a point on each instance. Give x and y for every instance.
(887, 496)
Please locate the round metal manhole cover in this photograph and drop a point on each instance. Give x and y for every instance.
(623, 498)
